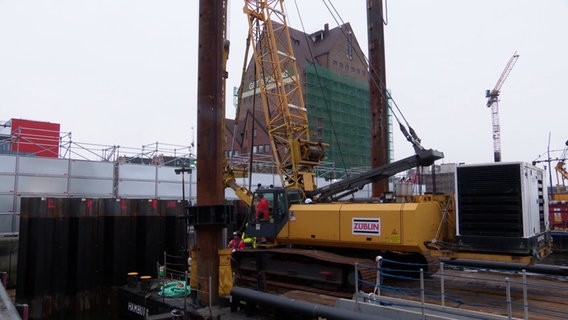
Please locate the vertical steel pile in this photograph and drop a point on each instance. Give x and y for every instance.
(378, 101)
(210, 216)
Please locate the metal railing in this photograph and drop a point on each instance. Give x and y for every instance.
(447, 292)
(171, 270)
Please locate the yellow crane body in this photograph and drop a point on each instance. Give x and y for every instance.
(370, 226)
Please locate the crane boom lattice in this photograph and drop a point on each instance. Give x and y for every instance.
(279, 84)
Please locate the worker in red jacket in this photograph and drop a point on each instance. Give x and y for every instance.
(262, 208)
(236, 243)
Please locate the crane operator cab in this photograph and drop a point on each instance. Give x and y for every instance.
(270, 211)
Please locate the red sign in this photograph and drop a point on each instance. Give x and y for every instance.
(36, 137)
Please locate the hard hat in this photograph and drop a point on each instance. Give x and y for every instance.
(236, 233)
(308, 200)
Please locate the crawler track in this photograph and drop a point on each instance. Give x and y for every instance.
(282, 269)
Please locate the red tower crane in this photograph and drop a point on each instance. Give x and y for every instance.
(493, 103)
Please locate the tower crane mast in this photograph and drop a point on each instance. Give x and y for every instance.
(493, 103)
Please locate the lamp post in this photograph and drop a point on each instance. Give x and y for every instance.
(183, 171)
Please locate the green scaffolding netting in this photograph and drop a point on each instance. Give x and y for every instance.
(333, 98)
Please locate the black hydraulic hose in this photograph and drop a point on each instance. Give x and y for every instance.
(298, 307)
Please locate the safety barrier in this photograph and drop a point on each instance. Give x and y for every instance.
(473, 288)
(174, 269)
(173, 272)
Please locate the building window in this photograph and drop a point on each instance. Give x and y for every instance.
(253, 149)
(350, 46)
(334, 62)
(266, 148)
(254, 132)
(260, 149)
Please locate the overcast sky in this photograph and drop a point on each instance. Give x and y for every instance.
(124, 72)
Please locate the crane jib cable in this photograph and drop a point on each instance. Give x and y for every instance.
(410, 134)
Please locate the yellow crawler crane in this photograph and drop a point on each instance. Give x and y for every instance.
(315, 245)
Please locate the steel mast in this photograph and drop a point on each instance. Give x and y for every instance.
(493, 103)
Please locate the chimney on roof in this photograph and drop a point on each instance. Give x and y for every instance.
(325, 29)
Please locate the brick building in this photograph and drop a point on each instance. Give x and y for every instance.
(334, 80)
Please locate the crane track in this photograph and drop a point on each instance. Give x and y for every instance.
(279, 287)
(265, 280)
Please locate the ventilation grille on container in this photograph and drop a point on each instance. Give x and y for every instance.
(490, 201)
(541, 207)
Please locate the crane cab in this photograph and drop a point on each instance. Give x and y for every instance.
(279, 202)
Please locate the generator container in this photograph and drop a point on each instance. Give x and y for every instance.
(501, 208)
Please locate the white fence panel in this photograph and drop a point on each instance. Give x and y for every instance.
(42, 186)
(136, 181)
(7, 183)
(43, 166)
(94, 169)
(89, 187)
(128, 171)
(7, 164)
(136, 189)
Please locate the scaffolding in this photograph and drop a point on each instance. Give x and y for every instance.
(339, 114)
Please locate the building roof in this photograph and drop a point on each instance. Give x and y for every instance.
(317, 43)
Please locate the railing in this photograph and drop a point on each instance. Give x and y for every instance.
(175, 268)
(154, 153)
(46, 143)
(455, 292)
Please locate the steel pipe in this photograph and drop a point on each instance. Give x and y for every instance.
(293, 306)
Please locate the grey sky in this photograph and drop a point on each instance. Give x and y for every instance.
(124, 72)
